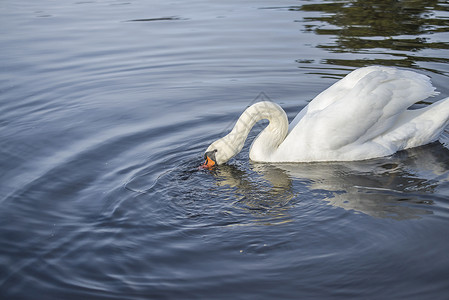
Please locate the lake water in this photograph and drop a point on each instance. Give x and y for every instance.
(107, 106)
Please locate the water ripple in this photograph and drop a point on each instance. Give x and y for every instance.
(107, 107)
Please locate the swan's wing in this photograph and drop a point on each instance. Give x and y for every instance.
(339, 90)
(360, 107)
(417, 127)
(335, 92)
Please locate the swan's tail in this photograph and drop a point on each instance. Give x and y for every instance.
(419, 127)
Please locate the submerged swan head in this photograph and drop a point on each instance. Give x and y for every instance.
(219, 152)
(222, 150)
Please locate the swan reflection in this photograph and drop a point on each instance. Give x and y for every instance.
(266, 197)
(398, 187)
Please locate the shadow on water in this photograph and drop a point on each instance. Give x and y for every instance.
(404, 186)
(403, 28)
(225, 196)
(266, 194)
(399, 187)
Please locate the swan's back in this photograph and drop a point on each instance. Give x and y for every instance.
(362, 78)
(361, 81)
(347, 121)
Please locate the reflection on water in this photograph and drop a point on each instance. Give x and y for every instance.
(398, 187)
(266, 196)
(108, 105)
(402, 27)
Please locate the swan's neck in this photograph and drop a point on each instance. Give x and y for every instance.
(269, 139)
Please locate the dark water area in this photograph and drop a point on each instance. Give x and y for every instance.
(106, 108)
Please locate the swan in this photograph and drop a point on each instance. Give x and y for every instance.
(364, 115)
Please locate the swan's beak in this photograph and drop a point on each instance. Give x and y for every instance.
(209, 162)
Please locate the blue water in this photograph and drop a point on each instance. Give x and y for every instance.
(106, 108)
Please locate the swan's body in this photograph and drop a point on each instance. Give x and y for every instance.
(362, 116)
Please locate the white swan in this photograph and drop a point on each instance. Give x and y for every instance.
(362, 116)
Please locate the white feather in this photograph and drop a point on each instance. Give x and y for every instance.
(362, 116)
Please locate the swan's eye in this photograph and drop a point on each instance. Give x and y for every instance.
(211, 154)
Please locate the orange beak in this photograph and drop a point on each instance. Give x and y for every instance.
(208, 164)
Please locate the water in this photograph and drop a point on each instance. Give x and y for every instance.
(106, 109)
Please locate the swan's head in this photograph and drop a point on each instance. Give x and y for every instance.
(219, 152)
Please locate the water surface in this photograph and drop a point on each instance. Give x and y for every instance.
(107, 106)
